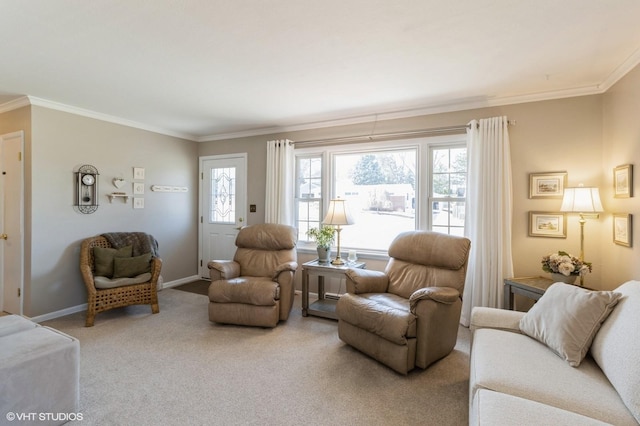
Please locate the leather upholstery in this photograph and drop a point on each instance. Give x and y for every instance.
(257, 287)
(408, 315)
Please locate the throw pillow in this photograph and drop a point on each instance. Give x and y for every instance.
(103, 259)
(566, 319)
(129, 267)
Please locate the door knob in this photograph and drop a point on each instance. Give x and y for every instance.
(4, 236)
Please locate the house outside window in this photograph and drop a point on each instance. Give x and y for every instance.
(390, 187)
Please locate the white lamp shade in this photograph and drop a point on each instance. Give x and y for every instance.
(338, 214)
(581, 200)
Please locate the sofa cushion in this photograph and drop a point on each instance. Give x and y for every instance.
(616, 347)
(103, 259)
(10, 324)
(105, 283)
(499, 409)
(129, 267)
(383, 314)
(518, 365)
(566, 319)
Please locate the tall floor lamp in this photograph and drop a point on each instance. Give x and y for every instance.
(586, 202)
(338, 215)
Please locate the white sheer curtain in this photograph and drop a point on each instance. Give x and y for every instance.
(489, 213)
(279, 189)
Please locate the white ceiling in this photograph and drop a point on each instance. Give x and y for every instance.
(208, 69)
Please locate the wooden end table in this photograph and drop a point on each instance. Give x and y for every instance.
(531, 287)
(325, 306)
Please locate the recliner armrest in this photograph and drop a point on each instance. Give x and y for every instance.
(445, 295)
(223, 269)
(287, 266)
(366, 281)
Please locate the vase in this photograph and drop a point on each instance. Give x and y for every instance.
(324, 254)
(568, 279)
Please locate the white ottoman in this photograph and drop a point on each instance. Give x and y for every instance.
(39, 373)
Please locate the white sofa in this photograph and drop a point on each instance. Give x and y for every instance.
(517, 379)
(39, 374)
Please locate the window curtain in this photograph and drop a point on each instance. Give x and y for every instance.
(279, 189)
(489, 214)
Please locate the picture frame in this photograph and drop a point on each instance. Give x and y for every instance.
(547, 185)
(548, 224)
(138, 188)
(623, 181)
(138, 173)
(622, 231)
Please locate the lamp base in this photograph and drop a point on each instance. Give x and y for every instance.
(338, 261)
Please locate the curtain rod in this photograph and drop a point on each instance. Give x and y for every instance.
(385, 136)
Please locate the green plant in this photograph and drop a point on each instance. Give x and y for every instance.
(324, 236)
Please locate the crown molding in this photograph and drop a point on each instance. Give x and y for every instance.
(20, 102)
(106, 117)
(427, 110)
(623, 69)
(45, 103)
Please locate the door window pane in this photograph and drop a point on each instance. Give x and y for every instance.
(223, 195)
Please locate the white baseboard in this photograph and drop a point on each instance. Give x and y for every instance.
(181, 281)
(83, 307)
(60, 313)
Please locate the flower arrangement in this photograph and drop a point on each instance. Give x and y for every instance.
(324, 235)
(565, 264)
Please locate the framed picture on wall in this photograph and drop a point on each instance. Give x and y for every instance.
(547, 185)
(548, 224)
(623, 181)
(622, 229)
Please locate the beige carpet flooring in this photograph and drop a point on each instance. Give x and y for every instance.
(177, 368)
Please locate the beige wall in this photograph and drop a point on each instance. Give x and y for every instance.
(621, 145)
(557, 135)
(60, 143)
(585, 136)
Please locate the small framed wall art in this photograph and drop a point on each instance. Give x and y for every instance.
(623, 181)
(547, 185)
(548, 224)
(622, 229)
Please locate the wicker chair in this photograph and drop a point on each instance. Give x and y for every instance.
(100, 300)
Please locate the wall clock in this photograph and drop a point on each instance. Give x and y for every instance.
(87, 189)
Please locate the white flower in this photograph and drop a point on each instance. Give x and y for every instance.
(566, 268)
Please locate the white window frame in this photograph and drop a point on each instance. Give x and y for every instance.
(423, 174)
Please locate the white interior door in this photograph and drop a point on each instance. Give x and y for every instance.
(223, 204)
(11, 222)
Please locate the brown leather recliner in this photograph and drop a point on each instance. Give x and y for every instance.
(255, 288)
(408, 315)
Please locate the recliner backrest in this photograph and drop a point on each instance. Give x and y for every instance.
(262, 247)
(426, 259)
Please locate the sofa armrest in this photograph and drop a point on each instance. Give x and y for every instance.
(223, 269)
(445, 295)
(366, 281)
(287, 266)
(500, 319)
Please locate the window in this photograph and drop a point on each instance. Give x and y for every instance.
(448, 189)
(380, 189)
(391, 187)
(308, 194)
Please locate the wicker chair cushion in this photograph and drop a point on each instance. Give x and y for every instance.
(129, 267)
(106, 283)
(103, 259)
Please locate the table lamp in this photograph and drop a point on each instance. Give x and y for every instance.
(338, 215)
(586, 202)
